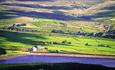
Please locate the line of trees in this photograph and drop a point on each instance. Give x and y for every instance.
(65, 42)
(18, 27)
(109, 34)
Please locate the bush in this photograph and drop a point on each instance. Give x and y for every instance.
(2, 51)
(86, 44)
(66, 42)
(103, 45)
(53, 51)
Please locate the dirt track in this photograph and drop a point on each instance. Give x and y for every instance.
(73, 55)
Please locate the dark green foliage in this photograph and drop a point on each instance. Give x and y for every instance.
(66, 42)
(103, 45)
(109, 36)
(53, 66)
(58, 31)
(86, 44)
(2, 51)
(53, 51)
(18, 27)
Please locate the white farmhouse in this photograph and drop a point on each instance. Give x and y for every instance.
(34, 49)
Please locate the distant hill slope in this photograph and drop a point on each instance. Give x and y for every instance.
(93, 12)
(57, 21)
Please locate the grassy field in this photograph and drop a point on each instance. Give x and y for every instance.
(56, 15)
(22, 41)
(85, 26)
(48, 25)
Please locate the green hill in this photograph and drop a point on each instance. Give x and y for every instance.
(89, 25)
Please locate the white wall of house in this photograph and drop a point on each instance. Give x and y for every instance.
(34, 49)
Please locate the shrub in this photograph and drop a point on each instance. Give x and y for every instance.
(2, 51)
(103, 45)
(86, 44)
(66, 42)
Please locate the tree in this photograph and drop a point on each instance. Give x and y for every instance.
(2, 51)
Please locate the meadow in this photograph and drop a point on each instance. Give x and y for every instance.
(45, 16)
(23, 41)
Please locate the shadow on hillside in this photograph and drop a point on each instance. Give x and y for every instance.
(55, 15)
(39, 6)
(104, 14)
(21, 37)
(36, 0)
(7, 15)
(46, 15)
(109, 8)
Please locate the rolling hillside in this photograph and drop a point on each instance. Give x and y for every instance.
(88, 24)
(98, 10)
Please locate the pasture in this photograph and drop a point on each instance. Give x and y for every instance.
(68, 16)
(22, 41)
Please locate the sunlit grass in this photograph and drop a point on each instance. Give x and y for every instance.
(77, 43)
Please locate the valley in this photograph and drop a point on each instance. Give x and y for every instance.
(62, 26)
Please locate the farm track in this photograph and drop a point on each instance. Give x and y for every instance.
(73, 55)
